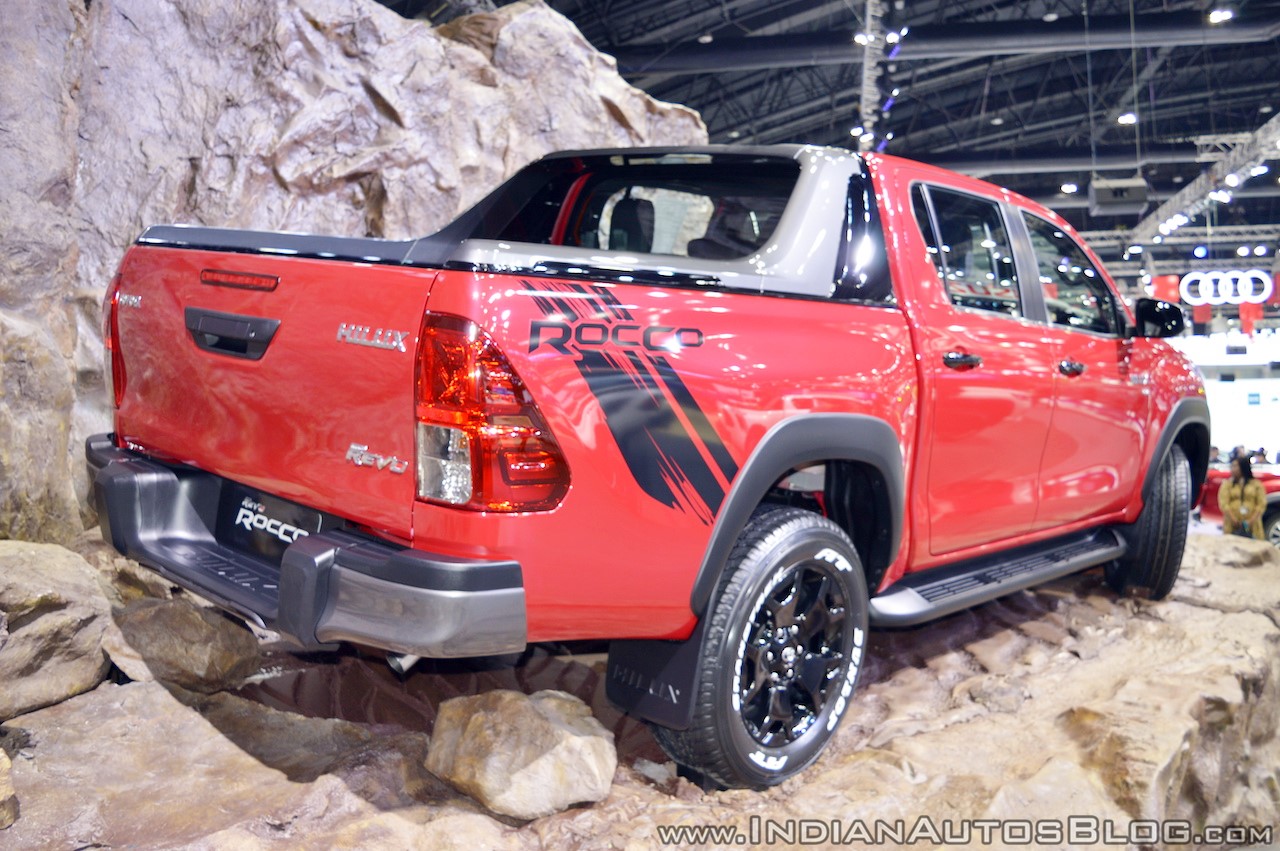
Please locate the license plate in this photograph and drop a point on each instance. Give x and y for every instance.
(264, 525)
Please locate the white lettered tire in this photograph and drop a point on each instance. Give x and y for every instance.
(782, 652)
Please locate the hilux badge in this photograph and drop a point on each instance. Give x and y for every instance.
(380, 338)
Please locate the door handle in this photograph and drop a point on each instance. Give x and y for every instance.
(230, 333)
(1071, 368)
(961, 360)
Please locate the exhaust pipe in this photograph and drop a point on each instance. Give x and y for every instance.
(402, 662)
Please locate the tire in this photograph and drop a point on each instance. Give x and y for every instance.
(781, 655)
(1271, 528)
(1157, 540)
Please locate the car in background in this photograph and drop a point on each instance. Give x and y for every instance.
(1268, 474)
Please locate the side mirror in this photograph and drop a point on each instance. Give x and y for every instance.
(1158, 318)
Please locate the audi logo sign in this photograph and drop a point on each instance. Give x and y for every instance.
(1234, 287)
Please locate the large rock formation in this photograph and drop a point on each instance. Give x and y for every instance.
(55, 615)
(523, 755)
(318, 115)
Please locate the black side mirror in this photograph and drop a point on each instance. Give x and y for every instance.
(1158, 318)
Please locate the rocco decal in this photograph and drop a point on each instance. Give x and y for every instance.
(665, 437)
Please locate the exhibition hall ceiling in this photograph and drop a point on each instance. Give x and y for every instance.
(1033, 95)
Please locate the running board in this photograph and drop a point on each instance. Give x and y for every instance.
(930, 594)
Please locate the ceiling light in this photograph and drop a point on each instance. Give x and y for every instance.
(855, 131)
(1177, 178)
(1129, 118)
(1232, 180)
(1135, 249)
(1200, 252)
(1070, 189)
(734, 134)
(862, 39)
(1242, 251)
(892, 38)
(1050, 17)
(1221, 16)
(1265, 109)
(1157, 239)
(997, 121)
(706, 38)
(867, 138)
(1259, 251)
(1258, 170)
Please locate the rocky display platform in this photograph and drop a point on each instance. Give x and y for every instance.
(1056, 703)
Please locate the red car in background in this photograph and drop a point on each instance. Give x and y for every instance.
(1269, 475)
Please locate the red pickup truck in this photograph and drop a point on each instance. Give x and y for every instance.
(727, 407)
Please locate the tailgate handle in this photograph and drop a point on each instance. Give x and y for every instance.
(231, 334)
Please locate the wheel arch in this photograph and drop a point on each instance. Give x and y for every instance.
(866, 441)
(1188, 426)
(655, 680)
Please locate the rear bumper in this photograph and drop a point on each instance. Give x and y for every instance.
(332, 586)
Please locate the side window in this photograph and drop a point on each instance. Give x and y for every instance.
(971, 249)
(1075, 294)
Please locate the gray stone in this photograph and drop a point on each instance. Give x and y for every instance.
(8, 797)
(36, 498)
(56, 615)
(186, 645)
(523, 756)
(40, 63)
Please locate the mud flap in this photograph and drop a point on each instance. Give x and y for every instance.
(656, 680)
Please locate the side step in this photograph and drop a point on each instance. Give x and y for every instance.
(930, 594)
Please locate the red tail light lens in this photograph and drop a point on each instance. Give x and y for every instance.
(481, 441)
(113, 362)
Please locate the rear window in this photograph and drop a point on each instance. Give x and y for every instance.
(691, 205)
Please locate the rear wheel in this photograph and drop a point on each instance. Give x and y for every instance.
(1157, 540)
(781, 654)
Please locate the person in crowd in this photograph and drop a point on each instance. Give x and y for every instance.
(1242, 500)
(1260, 457)
(1237, 452)
(1215, 457)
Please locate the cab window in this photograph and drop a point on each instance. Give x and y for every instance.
(970, 248)
(1075, 295)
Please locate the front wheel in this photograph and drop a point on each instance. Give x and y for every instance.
(1157, 540)
(781, 654)
(1271, 528)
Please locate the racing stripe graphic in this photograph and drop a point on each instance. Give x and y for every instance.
(669, 445)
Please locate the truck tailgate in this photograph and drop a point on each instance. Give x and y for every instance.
(289, 375)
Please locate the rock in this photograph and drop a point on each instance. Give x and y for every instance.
(56, 615)
(8, 797)
(186, 645)
(523, 756)
(123, 580)
(330, 116)
(36, 498)
(40, 63)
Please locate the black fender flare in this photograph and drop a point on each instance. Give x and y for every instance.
(1191, 413)
(657, 680)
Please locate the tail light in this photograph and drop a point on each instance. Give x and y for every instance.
(481, 441)
(113, 361)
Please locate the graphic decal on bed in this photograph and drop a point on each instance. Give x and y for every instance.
(669, 444)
